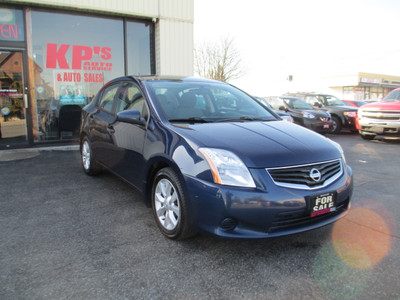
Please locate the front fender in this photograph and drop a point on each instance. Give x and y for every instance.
(183, 160)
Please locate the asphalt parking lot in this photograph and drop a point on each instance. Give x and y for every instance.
(65, 235)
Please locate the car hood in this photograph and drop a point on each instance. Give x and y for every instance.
(262, 144)
(383, 106)
(341, 108)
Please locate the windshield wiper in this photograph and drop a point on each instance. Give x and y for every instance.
(241, 119)
(191, 120)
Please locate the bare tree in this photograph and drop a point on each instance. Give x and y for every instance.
(219, 61)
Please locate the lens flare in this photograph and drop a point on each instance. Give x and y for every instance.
(362, 239)
(336, 278)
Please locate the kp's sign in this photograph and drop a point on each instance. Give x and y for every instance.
(81, 57)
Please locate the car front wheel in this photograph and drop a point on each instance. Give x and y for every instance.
(337, 125)
(169, 205)
(88, 163)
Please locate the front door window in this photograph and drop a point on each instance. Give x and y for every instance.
(12, 100)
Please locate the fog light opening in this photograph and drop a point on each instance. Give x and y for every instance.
(228, 224)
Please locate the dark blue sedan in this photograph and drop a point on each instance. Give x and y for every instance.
(209, 158)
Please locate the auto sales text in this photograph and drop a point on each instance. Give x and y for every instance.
(81, 60)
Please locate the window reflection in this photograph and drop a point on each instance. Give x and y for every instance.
(74, 56)
(138, 44)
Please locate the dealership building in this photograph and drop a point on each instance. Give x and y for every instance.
(56, 54)
(362, 86)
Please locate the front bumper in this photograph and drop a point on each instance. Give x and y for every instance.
(387, 128)
(266, 211)
(350, 123)
(319, 126)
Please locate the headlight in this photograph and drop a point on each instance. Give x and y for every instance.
(308, 115)
(351, 114)
(337, 145)
(227, 168)
(287, 119)
(360, 113)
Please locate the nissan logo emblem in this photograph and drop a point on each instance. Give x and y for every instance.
(315, 175)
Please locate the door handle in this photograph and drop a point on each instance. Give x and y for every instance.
(110, 129)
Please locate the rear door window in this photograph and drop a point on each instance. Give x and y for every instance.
(312, 100)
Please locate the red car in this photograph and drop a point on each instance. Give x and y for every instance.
(380, 118)
(356, 103)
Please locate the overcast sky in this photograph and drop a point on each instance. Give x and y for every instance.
(309, 39)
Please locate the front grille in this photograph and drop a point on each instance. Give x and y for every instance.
(381, 115)
(300, 176)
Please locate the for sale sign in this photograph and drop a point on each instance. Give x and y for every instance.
(323, 204)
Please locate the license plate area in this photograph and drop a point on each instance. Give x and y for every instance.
(377, 129)
(322, 204)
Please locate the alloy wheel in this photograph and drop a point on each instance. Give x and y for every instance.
(167, 204)
(86, 155)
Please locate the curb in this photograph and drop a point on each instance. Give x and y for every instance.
(18, 154)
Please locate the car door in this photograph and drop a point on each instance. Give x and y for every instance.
(100, 122)
(128, 139)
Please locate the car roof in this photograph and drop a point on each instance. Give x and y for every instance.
(149, 78)
(166, 78)
(310, 94)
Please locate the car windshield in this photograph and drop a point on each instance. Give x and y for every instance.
(199, 102)
(393, 96)
(360, 103)
(297, 103)
(263, 102)
(333, 101)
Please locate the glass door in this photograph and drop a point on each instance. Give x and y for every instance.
(13, 101)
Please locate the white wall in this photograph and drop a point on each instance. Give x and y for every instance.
(175, 48)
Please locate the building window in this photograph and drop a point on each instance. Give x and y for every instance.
(12, 27)
(348, 93)
(359, 93)
(74, 56)
(139, 55)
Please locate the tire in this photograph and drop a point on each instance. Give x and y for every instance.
(337, 125)
(169, 206)
(88, 162)
(368, 137)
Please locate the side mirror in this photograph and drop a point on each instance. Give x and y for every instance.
(282, 108)
(130, 116)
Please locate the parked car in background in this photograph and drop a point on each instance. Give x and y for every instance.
(343, 116)
(302, 113)
(380, 118)
(209, 158)
(284, 115)
(355, 103)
